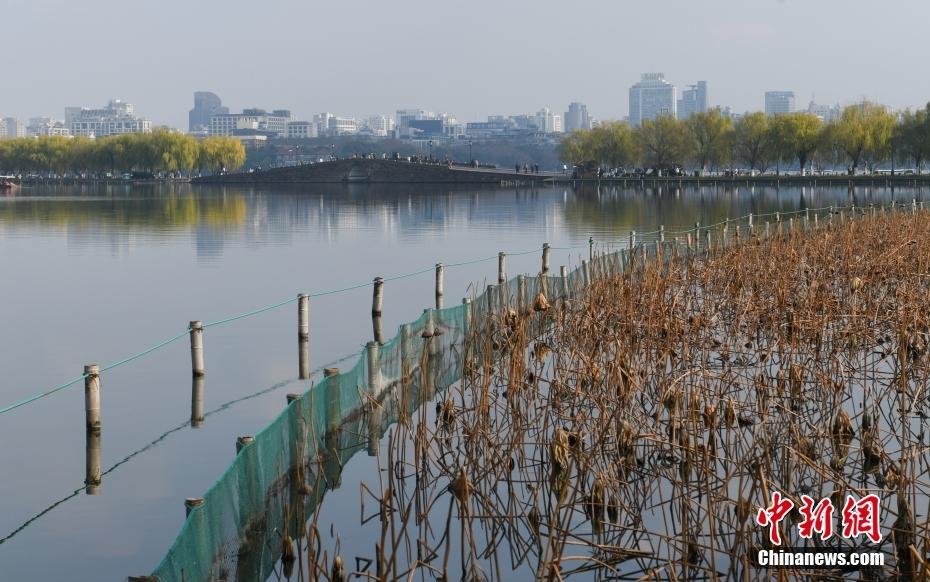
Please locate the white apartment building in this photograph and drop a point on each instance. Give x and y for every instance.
(117, 118)
(548, 122)
(652, 97)
(301, 130)
(10, 127)
(343, 126)
(275, 123)
(380, 125)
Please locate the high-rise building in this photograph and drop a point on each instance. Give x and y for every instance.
(11, 127)
(548, 122)
(779, 102)
(693, 100)
(652, 97)
(206, 105)
(118, 117)
(576, 117)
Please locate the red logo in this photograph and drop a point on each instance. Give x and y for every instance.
(859, 517)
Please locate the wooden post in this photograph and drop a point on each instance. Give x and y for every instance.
(190, 503)
(303, 336)
(767, 229)
(92, 397)
(708, 239)
(373, 359)
(242, 442)
(377, 299)
(196, 331)
(303, 359)
(590, 247)
(93, 474)
(586, 276)
(501, 270)
(736, 233)
(632, 239)
(303, 316)
(375, 419)
(197, 401)
(563, 273)
(521, 293)
(439, 285)
(689, 241)
(490, 292)
(545, 259)
(662, 233)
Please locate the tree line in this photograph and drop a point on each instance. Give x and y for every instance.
(864, 135)
(157, 152)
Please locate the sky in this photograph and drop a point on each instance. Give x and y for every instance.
(469, 58)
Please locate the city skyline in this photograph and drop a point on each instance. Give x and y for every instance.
(741, 56)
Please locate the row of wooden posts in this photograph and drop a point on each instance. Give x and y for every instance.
(198, 369)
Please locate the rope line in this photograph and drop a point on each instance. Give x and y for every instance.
(591, 241)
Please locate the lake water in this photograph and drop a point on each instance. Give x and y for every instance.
(92, 275)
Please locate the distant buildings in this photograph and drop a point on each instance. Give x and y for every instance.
(118, 117)
(253, 121)
(651, 97)
(46, 126)
(206, 105)
(548, 122)
(10, 127)
(379, 126)
(403, 117)
(301, 130)
(779, 102)
(826, 113)
(693, 100)
(576, 117)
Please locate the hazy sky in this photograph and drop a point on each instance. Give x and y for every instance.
(469, 58)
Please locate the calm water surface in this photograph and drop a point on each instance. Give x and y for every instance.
(92, 275)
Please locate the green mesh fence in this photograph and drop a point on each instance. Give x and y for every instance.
(276, 482)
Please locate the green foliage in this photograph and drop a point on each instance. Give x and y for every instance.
(911, 137)
(752, 143)
(711, 134)
(664, 141)
(864, 132)
(795, 136)
(159, 151)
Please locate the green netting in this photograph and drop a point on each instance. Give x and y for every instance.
(285, 472)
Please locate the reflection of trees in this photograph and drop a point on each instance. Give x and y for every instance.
(618, 210)
(154, 212)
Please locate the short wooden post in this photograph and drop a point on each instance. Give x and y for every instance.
(590, 247)
(303, 359)
(439, 284)
(767, 224)
(92, 397)
(585, 274)
(303, 316)
(93, 457)
(377, 299)
(243, 441)
(750, 222)
(545, 259)
(190, 503)
(501, 267)
(736, 233)
(563, 273)
(689, 241)
(373, 359)
(708, 239)
(632, 239)
(521, 293)
(196, 332)
(197, 401)
(303, 336)
(490, 292)
(662, 233)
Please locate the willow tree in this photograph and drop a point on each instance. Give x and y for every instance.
(711, 134)
(613, 145)
(752, 141)
(913, 136)
(664, 142)
(795, 137)
(863, 132)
